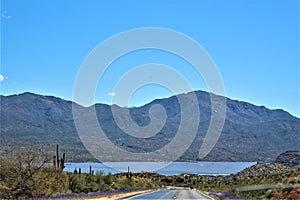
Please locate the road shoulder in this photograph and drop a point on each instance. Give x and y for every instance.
(122, 195)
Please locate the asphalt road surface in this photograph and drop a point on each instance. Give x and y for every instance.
(173, 194)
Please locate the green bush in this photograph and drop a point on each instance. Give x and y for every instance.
(25, 175)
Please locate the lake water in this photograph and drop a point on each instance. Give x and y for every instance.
(175, 168)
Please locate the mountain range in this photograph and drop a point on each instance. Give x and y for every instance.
(250, 132)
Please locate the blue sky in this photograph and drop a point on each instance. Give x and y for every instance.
(254, 43)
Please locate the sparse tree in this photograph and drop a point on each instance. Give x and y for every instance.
(25, 174)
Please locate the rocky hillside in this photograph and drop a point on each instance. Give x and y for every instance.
(261, 169)
(283, 163)
(250, 133)
(289, 158)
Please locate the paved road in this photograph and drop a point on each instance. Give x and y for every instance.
(172, 194)
(190, 194)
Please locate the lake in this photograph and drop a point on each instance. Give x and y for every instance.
(174, 168)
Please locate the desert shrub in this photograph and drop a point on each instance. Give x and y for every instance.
(24, 174)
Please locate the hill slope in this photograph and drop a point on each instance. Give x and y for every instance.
(250, 133)
(289, 158)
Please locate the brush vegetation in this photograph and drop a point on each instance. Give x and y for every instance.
(31, 173)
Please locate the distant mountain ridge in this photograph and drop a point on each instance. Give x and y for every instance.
(250, 133)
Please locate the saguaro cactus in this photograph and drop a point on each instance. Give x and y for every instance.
(129, 174)
(62, 162)
(90, 169)
(57, 156)
(59, 163)
(54, 161)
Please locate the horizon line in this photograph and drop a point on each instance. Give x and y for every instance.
(129, 107)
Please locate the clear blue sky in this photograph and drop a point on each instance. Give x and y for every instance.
(254, 43)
